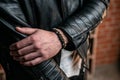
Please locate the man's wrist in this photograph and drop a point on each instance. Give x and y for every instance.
(63, 39)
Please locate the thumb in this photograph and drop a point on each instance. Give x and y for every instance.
(25, 30)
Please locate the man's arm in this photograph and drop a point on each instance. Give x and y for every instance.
(84, 20)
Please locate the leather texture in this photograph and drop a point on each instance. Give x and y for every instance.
(75, 17)
(47, 70)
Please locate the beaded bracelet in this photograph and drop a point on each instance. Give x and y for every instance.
(60, 37)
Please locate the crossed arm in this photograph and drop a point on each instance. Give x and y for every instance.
(41, 45)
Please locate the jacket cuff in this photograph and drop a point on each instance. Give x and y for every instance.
(72, 43)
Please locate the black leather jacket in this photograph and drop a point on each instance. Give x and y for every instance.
(74, 17)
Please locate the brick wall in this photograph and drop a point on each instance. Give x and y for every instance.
(108, 37)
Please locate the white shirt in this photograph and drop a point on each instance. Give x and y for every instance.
(66, 64)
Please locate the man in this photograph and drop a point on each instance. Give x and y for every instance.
(34, 31)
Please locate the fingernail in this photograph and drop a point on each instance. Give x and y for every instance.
(12, 47)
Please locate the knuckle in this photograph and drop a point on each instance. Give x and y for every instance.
(37, 46)
(45, 56)
(19, 52)
(35, 62)
(17, 45)
(32, 63)
(40, 50)
(33, 38)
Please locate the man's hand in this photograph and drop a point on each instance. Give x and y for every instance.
(39, 46)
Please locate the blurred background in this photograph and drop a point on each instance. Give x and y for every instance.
(104, 55)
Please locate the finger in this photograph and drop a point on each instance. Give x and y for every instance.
(21, 44)
(14, 53)
(23, 51)
(25, 30)
(28, 57)
(33, 62)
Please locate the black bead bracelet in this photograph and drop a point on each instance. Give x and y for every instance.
(60, 37)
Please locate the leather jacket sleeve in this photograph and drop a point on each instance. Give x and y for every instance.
(84, 20)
